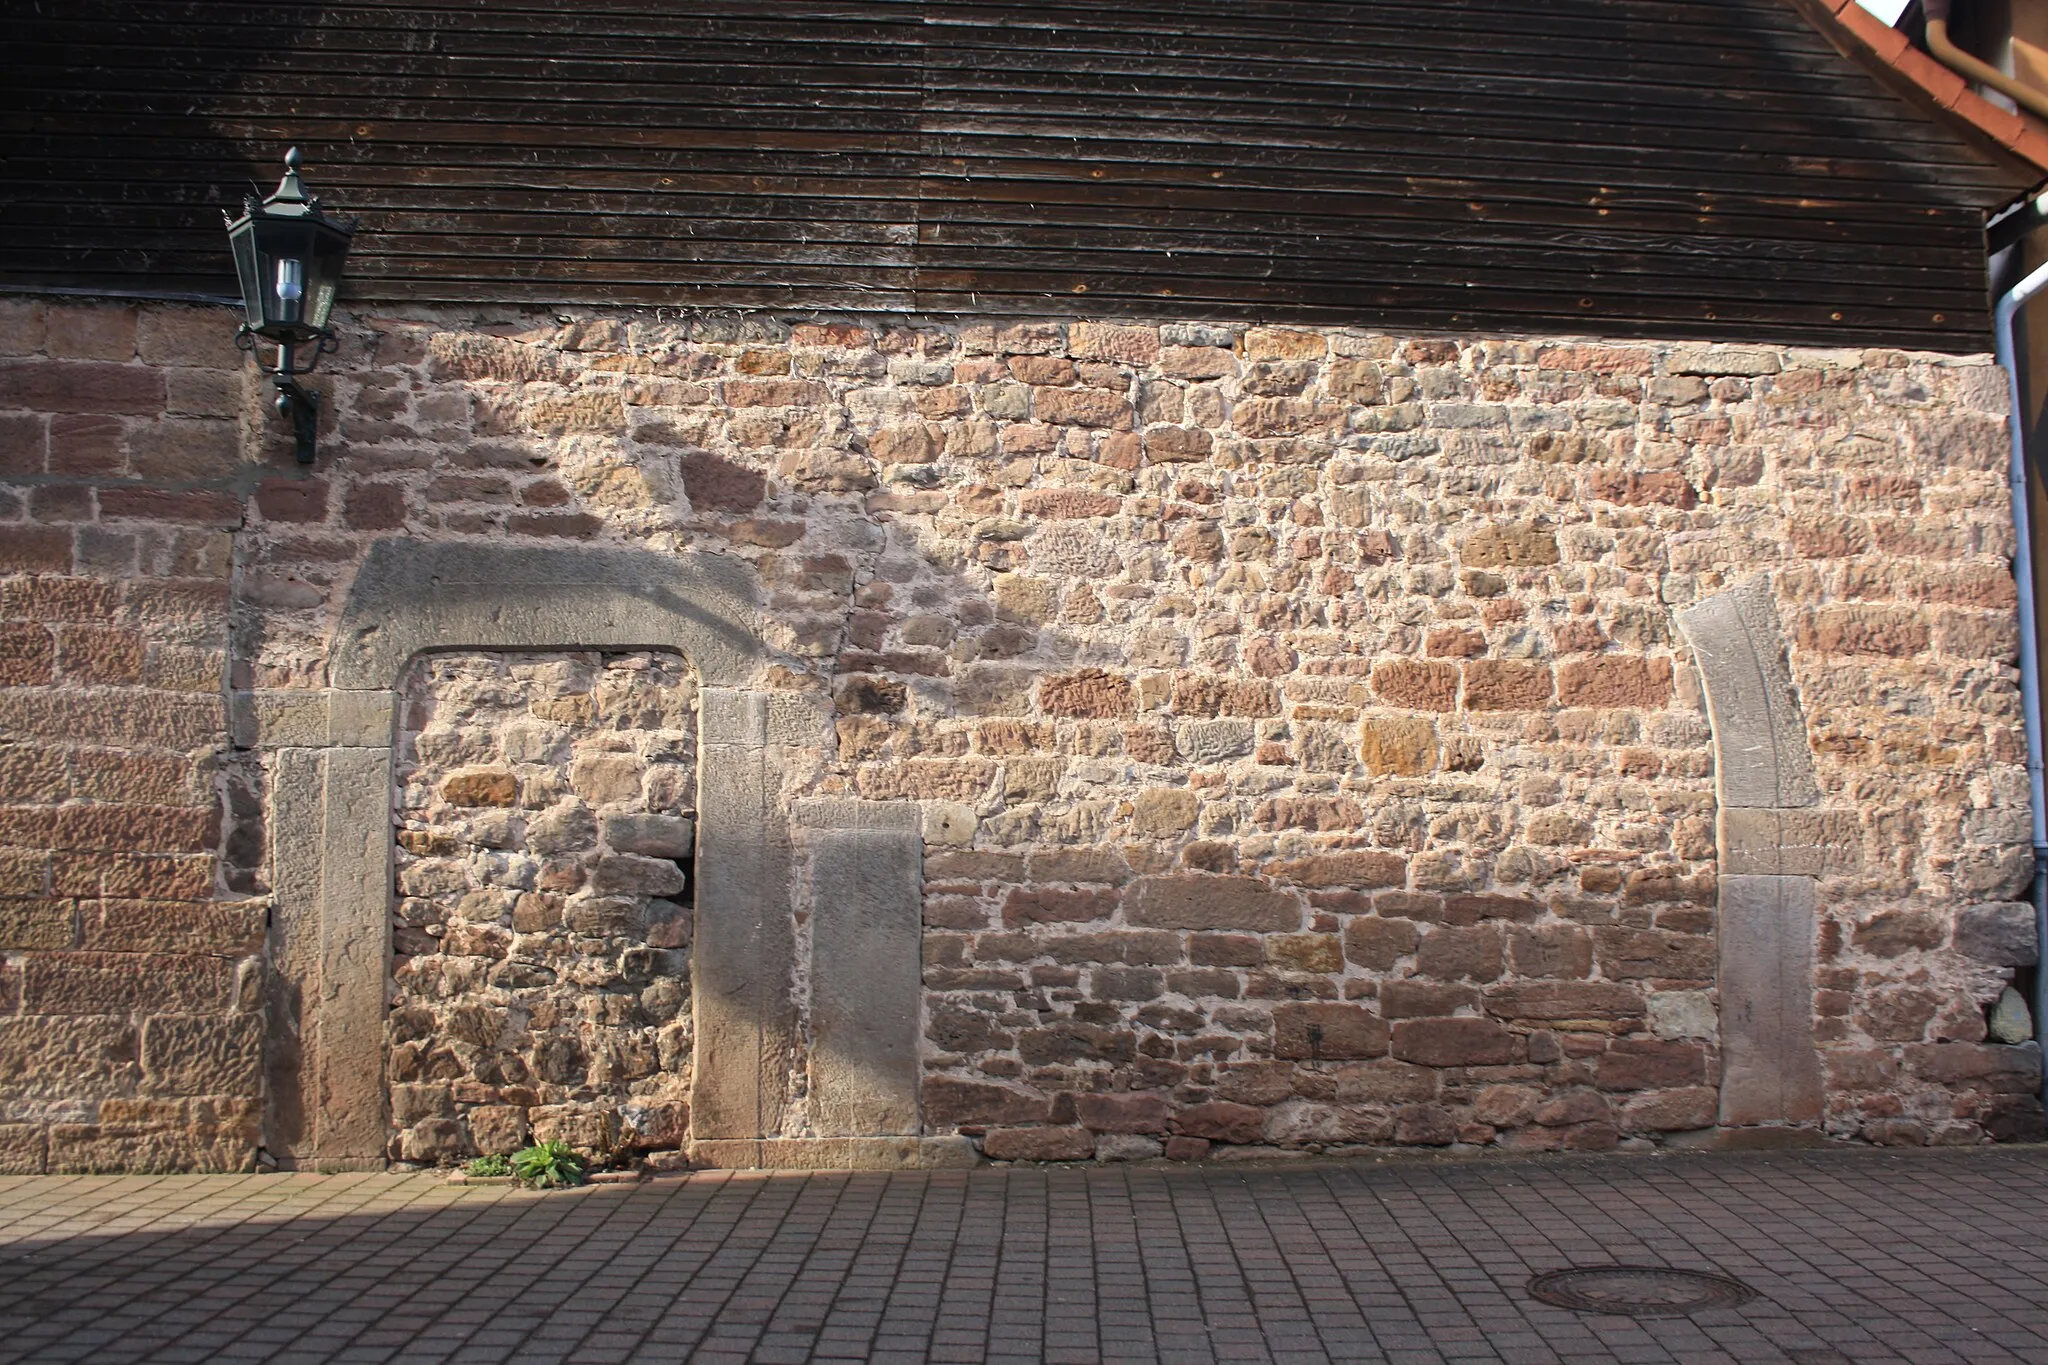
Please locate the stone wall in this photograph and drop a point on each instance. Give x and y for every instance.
(547, 826)
(1308, 750)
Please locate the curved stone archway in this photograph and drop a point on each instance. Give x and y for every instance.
(1775, 841)
(331, 824)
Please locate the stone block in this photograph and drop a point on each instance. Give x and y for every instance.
(1038, 1144)
(1377, 944)
(1770, 1072)
(1646, 1064)
(115, 983)
(66, 1059)
(1453, 1042)
(866, 927)
(1204, 901)
(949, 1102)
(203, 1054)
(1137, 1112)
(1327, 1032)
(1218, 1121)
(1791, 843)
(2002, 933)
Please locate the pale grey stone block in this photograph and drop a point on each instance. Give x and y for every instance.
(297, 827)
(744, 947)
(835, 812)
(837, 1154)
(867, 879)
(1762, 757)
(2002, 933)
(412, 596)
(659, 836)
(1770, 1072)
(355, 954)
(1800, 842)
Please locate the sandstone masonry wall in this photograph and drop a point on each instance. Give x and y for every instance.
(1309, 754)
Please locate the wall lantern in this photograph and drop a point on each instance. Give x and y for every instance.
(288, 255)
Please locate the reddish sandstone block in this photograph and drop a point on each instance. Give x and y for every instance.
(1453, 1042)
(1649, 1064)
(225, 928)
(1615, 680)
(950, 1102)
(1053, 905)
(134, 876)
(1552, 1001)
(1081, 408)
(1398, 746)
(103, 655)
(1219, 1121)
(1140, 1112)
(1416, 684)
(81, 386)
(1186, 1148)
(24, 443)
(1506, 685)
(776, 393)
(193, 507)
(1633, 953)
(115, 983)
(1108, 341)
(1063, 503)
(1671, 1111)
(1863, 629)
(1038, 1144)
(1328, 1031)
(1551, 951)
(28, 654)
(203, 1055)
(38, 924)
(85, 445)
(1453, 954)
(1179, 445)
(1088, 693)
(110, 828)
(1377, 944)
(1205, 901)
(36, 549)
(292, 500)
(1361, 869)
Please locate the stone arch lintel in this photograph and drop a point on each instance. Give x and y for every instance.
(415, 596)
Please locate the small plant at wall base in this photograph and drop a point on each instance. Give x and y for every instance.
(487, 1167)
(548, 1165)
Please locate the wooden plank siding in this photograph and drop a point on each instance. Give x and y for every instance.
(1702, 168)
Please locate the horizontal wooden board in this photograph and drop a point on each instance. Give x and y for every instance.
(1706, 168)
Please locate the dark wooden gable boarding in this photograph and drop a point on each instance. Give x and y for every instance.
(1623, 167)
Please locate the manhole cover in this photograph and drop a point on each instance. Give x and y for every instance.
(1638, 1291)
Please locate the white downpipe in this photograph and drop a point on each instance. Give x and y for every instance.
(2030, 655)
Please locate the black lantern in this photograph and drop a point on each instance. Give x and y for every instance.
(288, 255)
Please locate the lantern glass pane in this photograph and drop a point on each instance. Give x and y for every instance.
(323, 274)
(247, 272)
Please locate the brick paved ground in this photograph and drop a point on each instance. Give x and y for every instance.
(1859, 1256)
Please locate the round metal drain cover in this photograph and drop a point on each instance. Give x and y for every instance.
(1638, 1291)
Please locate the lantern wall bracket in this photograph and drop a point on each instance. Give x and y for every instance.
(295, 402)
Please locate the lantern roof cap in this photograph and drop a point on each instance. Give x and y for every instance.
(289, 200)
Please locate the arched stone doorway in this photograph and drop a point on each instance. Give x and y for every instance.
(331, 825)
